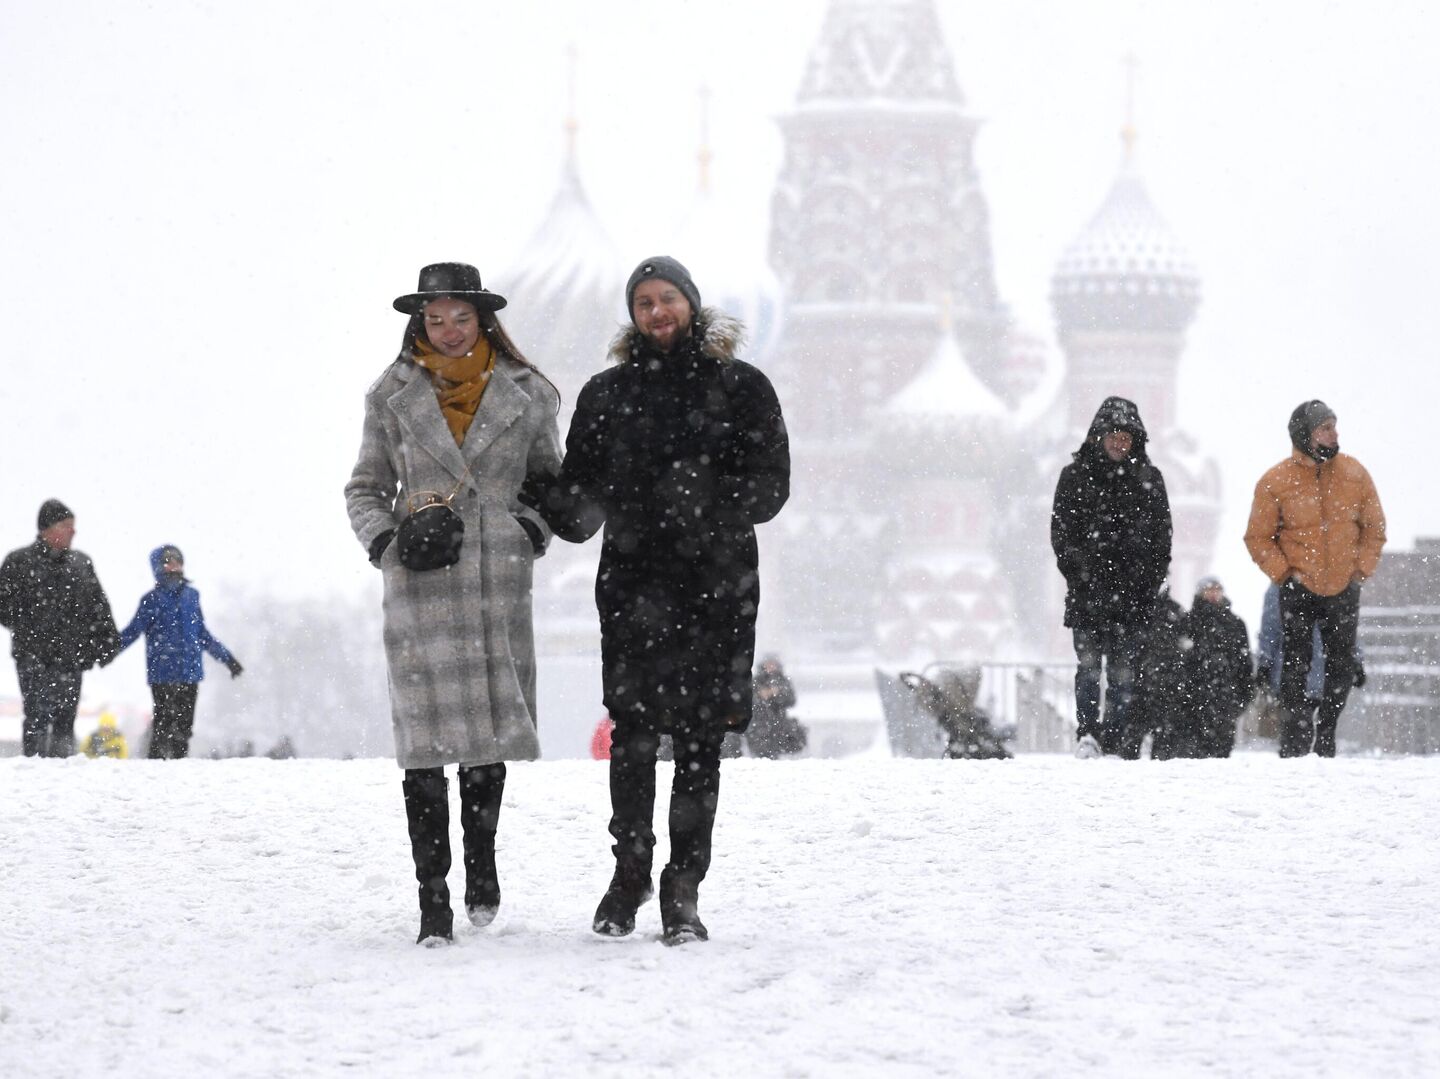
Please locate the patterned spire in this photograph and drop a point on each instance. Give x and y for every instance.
(890, 49)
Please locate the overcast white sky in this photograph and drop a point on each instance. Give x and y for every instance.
(207, 207)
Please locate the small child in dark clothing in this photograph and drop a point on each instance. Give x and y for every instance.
(175, 635)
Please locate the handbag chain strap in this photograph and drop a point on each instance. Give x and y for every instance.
(435, 497)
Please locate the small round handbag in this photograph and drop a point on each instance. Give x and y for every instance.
(430, 535)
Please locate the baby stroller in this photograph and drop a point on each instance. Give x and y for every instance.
(948, 697)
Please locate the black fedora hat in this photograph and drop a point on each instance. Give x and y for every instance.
(456, 279)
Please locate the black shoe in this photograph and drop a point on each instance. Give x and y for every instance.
(679, 909)
(481, 790)
(427, 812)
(615, 916)
(436, 928)
(482, 899)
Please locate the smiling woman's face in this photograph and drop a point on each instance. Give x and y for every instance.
(451, 326)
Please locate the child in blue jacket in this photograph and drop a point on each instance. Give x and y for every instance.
(175, 635)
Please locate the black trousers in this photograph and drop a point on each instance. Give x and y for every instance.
(173, 721)
(51, 697)
(694, 795)
(1339, 618)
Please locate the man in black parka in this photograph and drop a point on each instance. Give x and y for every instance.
(679, 450)
(60, 624)
(1110, 529)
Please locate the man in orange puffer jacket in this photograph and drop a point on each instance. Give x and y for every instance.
(1316, 529)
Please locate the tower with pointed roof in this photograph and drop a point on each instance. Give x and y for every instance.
(877, 215)
(732, 275)
(568, 283)
(1124, 293)
(567, 291)
(947, 436)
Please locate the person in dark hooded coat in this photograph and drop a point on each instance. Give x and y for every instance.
(679, 450)
(1218, 670)
(1110, 529)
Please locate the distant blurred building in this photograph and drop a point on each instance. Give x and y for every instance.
(1398, 711)
(927, 427)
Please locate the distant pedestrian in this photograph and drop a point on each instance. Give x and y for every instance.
(106, 740)
(773, 731)
(176, 638)
(1110, 530)
(1316, 529)
(1218, 670)
(60, 625)
(679, 450)
(453, 426)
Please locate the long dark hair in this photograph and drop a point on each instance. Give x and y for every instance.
(495, 333)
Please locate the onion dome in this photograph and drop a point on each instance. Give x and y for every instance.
(945, 411)
(567, 288)
(729, 278)
(1126, 271)
(729, 275)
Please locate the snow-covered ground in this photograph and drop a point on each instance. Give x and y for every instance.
(1042, 916)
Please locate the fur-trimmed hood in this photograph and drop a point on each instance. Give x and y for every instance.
(722, 337)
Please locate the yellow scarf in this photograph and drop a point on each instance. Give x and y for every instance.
(459, 382)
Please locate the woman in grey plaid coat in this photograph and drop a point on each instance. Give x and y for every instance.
(460, 414)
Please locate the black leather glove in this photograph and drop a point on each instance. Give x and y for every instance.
(235, 668)
(534, 490)
(378, 545)
(537, 540)
(1359, 674)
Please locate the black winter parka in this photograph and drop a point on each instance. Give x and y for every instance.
(1220, 675)
(1110, 526)
(679, 456)
(56, 611)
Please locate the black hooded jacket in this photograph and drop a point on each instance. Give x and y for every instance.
(1110, 526)
(679, 456)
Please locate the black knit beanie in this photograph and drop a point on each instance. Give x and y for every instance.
(667, 269)
(52, 512)
(1307, 416)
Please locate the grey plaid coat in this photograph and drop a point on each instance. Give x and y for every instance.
(458, 641)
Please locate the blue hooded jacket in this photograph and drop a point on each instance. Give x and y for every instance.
(174, 629)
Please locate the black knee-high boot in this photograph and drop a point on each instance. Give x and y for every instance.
(427, 809)
(694, 795)
(481, 789)
(632, 805)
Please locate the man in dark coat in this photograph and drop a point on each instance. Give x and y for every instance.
(1110, 529)
(61, 626)
(1219, 674)
(679, 450)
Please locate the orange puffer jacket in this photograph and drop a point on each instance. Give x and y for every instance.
(1320, 523)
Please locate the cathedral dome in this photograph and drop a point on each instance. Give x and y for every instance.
(947, 393)
(729, 276)
(945, 418)
(1126, 271)
(566, 289)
